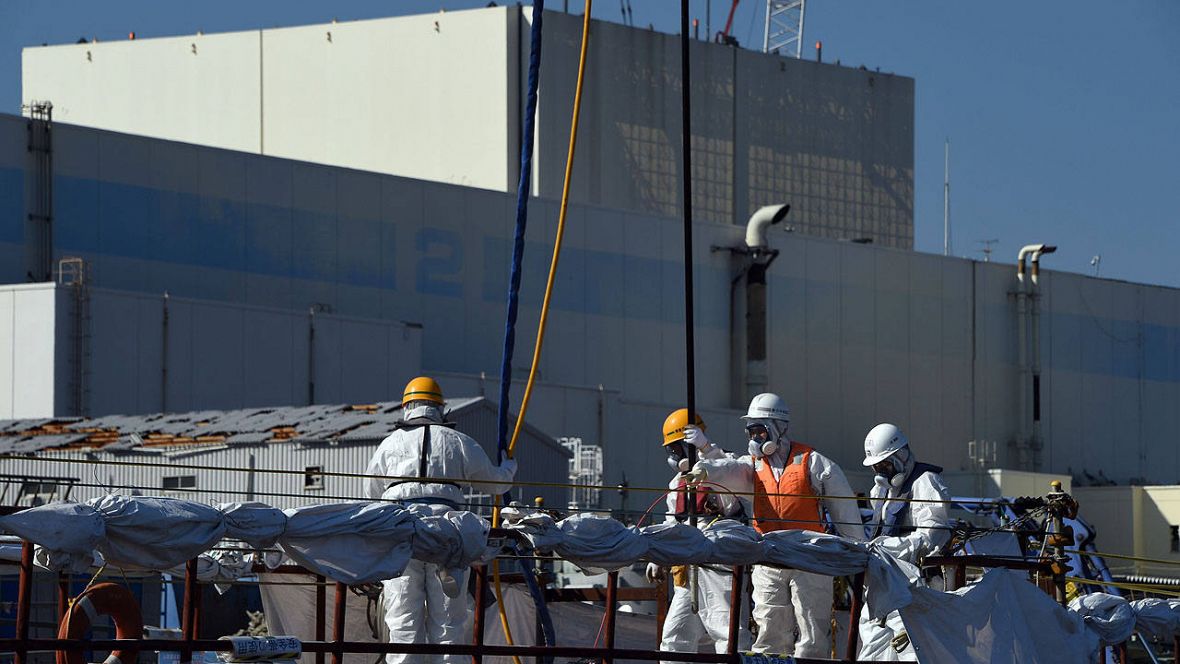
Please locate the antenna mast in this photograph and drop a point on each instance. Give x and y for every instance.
(784, 27)
(946, 202)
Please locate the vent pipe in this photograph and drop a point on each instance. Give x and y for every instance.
(760, 257)
(1029, 444)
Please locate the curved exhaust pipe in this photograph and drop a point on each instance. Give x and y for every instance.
(761, 221)
(1028, 306)
(1036, 251)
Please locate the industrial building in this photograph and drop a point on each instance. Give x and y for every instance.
(409, 262)
(440, 97)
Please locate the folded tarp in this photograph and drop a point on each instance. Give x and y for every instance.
(67, 528)
(1109, 616)
(350, 542)
(1157, 619)
(256, 524)
(1002, 618)
(156, 533)
(597, 544)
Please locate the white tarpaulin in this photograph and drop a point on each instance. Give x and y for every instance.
(675, 543)
(156, 533)
(350, 542)
(256, 524)
(597, 543)
(70, 528)
(1109, 616)
(739, 544)
(1002, 618)
(1157, 619)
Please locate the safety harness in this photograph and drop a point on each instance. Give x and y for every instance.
(425, 424)
(893, 523)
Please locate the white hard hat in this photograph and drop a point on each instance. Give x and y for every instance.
(883, 440)
(767, 406)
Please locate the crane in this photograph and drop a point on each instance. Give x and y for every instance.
(784, 27)
(723, 37)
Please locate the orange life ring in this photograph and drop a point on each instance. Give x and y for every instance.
(102, 599)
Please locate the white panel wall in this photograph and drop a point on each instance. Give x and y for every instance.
(27, 331)
(196, 88)
(422, 95)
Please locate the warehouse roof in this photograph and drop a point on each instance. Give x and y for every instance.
(316, 424)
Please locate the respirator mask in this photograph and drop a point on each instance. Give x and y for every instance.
(763, 439)
(677, 456)
(891, 470)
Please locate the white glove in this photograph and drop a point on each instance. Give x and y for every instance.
(654, 572)
(697, 475)
(695, 436)
(510, 466)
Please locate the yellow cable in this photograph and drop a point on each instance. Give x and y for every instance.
(1098, 554)
(409, 478)
(565, 195)
(528, 390)
(1126, 586)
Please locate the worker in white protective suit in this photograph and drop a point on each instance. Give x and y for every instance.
(684, 629)
(792, 608)
(909, 531)
(428, 604)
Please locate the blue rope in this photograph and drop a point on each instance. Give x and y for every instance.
(539, 600)
(522, 199)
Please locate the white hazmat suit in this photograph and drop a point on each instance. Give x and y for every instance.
(683, 629)
(789, 602)
(428, 604)
(909, 532)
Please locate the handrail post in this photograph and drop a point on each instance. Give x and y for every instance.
(24, 599)
(612, 584)
(851, 643)
(63, 595)
(188, 615)
(321, 611)
(481, 581)
(662, 603)
(338, 623)
(735, 612)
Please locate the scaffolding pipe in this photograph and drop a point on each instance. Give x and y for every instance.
(24, 599)
(612, 586)
(338, 622)
(735, 610)
(481, 588)
(321, 611)
(188, 615)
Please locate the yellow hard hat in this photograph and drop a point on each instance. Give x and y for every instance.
(675, 423)
(423, 388)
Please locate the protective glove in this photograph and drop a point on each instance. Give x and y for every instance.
(510, 466)
(695, 436)
(654, 572)
(697, 475)
(450, 584)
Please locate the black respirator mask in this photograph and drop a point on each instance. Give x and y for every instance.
(677, 456)
(891, 471)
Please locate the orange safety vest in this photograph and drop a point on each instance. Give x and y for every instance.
(791, 512)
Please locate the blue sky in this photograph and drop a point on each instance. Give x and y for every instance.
(1063, 116)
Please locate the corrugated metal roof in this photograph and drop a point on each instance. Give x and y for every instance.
(312, 425)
